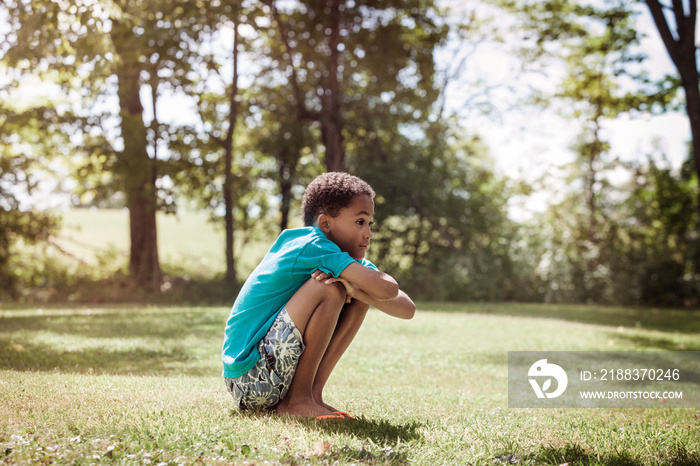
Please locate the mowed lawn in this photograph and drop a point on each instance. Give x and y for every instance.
(188, 242)
(142, 385)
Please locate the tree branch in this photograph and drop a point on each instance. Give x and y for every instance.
(52, 241)
(303, 112)
(672, 46)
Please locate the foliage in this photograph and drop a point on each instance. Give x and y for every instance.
(97, 53)
(445, 235)
(645, 247)
(340, 59)
(594, 247)
(20, 172)
(18, 228)
(664, 243)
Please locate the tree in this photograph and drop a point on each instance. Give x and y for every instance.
(599, 44)
(217, 162)
(442, 220)
(138, 169)
(113, 49)
(334, 53)
(682, 48)
(594, 92)
(20, 135)
(643, 241)
(662, 239)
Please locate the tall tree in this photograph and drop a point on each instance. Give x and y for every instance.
(228, 159)
(682, 48)
(599, 43)
(335, 52)
(138, 168)
(594, 94)
(215, 161)
(114, 49)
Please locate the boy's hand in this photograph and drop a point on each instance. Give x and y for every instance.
(328, 279)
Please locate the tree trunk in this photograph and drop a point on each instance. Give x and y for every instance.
(286, 167)
(681, 48)
(329, 114)
(689, 78)
(331, 126)
(228, 162)
(144, 264)
(139, 174)
(687, 68)
(228, 216)
(593, 154)
(333, 142)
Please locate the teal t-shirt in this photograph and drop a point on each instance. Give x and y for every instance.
(285, 268)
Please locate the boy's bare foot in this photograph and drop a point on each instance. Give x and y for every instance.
(328, 407)
(318, 397)
(335, 411)
(303, 409)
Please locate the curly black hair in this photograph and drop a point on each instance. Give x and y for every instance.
(330, 192)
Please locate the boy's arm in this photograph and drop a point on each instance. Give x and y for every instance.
(401, 306)
(378, 285)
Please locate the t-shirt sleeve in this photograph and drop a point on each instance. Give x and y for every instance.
(323, 255)
(368, 264)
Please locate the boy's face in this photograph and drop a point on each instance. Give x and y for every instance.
(351, 229)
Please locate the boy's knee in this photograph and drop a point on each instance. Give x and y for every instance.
(334, 292)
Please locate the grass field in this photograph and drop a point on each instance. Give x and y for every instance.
(187, 241)
(142, 385)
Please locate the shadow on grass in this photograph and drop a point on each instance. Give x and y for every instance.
(656, 343)
(573, 454)
(383, 441)
(117, 323)
(138, 341)
(379, 431)
(682, 321)
(127, 361)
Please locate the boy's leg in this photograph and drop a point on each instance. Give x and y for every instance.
(349, 323)
(314, 309)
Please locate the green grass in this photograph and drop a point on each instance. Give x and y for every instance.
(188, 242)
(142, 385)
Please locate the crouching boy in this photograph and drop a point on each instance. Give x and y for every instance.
(301, 307)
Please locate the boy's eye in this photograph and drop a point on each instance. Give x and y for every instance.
(362, 222)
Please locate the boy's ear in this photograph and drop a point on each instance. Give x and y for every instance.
(324, 223)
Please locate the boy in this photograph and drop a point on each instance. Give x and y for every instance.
(303, 304)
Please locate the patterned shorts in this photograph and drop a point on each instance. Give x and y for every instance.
(267, 383)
